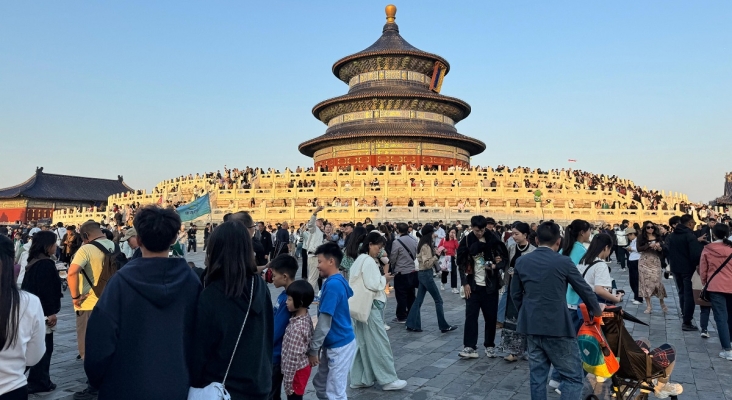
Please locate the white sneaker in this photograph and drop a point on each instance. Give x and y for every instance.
(490, 352)
(600, 379)
(669, 389)
(398, 384)
(455, 291)
(468, 352)
(386, 327)
(637, 303)
(360, 386)
(555, 385)
(442, 286)
(727, 354)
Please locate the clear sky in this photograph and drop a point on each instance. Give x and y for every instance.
(154, 90)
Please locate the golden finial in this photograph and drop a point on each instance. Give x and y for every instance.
(390, 13)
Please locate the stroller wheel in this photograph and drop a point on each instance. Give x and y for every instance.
(592, 397)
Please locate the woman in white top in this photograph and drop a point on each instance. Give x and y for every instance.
(374, 361)
(22, 329)
(633, 257)
(596, 272)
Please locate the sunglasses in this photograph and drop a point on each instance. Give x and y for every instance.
(649, 227)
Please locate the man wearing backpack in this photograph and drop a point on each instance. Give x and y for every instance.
(84, 279)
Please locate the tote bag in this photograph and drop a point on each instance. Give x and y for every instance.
(360, 303)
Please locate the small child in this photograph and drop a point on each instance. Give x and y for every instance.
(284, 271)
(295, 364)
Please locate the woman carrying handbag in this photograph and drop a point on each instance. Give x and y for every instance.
(234, 323)
(715, 271)
(374, 361)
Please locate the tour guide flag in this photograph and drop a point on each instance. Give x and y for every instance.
(196, 208)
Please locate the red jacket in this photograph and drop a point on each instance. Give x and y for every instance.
(712, 257)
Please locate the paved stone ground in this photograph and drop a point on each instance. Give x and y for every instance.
(429, 360)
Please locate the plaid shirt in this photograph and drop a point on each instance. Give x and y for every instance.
(295, 346)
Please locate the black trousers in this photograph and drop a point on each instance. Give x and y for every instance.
(453, 274)
(633, 278)
(686, 295)
(480, 300)
(404, 293)
(20, 393)
(304, 258)
(620, 254)
(39, 376)
(191, 245)
(277, 377)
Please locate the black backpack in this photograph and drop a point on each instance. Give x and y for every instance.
(113, 261)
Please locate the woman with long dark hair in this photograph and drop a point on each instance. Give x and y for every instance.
(720, 288)
(595, 270)
(512, 342)
(350, 252)
(22, 329)
(575, 236)
(650, 248)
(427, 259)
(232, 289)
(41, 279)
(374, 361)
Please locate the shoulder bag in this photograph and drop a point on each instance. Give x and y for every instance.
(416, 262)
(215, 390)
(704, 294)
(360, 303)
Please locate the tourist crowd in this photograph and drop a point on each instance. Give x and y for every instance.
(136, 298)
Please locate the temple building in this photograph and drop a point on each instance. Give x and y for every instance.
(39, 196)
(726, 199)
(393, 114)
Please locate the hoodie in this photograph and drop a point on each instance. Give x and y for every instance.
(139, 337)
(712, 257)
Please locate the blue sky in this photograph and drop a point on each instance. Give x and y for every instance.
(153, 90)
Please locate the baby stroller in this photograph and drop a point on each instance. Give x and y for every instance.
(638, 368)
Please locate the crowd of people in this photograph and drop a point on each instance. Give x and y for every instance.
(213, 326)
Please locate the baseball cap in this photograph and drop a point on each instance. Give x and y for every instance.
(628, 231)
(128, 234)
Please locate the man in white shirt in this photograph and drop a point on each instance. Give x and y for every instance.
(440, 233)
(60, 231)
(621, 236)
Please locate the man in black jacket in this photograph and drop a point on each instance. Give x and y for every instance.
(684, 253)
(266, 240)
(147, 313)
(480, 258)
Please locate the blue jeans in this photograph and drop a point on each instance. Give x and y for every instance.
(563, 353)
(502, 307)
(722, 307)
(704, 317)
(426, 284)
(576, 316)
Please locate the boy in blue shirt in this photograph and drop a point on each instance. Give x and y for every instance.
(284, 271)
(334, 344)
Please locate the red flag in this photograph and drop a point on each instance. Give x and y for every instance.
(160, 200)
(571, 160)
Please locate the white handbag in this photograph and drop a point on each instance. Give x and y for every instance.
(360, 303)
(215, 390)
